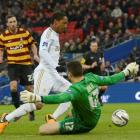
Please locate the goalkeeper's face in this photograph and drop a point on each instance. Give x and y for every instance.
(12, 23)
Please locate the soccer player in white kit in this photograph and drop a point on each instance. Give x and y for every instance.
(46, 77)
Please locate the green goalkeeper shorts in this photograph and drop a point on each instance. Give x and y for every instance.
(73, 126)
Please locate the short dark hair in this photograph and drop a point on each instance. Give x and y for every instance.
(9, 16)
(75, 68)
(57, 16)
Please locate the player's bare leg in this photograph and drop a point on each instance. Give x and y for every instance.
(5, 119)
(49, 129)
(63, 107)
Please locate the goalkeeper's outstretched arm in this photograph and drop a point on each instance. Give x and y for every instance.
(131, 69)
(29, 97)
(58, 98)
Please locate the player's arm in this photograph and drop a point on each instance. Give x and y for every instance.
(102, 61)
(1, 55)
(108, 80)
(27, 96)
(44, 47)
(58, 98)
(131, 69)
(1, 48)
(87, 66)
(34, 50)
(32, 42)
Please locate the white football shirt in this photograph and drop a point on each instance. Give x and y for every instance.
(49, 48)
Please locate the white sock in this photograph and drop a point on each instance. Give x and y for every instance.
(19, 112)
(63, 107)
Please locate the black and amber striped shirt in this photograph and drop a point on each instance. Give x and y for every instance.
(17, 46)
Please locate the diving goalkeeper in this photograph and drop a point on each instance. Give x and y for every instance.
(83, 94)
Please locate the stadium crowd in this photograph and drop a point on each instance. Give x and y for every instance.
(111, 21)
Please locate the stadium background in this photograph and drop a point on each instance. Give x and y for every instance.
(116, 25)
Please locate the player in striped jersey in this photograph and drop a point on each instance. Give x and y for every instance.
(18, 44)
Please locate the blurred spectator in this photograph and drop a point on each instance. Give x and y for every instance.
(131, 22)
(109, 69)
(89, 14)
(125, 20)
(117, 12)
(93, 60)
(135, 55)
(112, 21)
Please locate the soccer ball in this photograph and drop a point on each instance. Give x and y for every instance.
(120, 118)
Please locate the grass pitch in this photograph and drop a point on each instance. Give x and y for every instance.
(105, 130)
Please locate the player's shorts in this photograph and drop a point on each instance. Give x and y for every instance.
(74, 126)
(46, 80)
(21, 73)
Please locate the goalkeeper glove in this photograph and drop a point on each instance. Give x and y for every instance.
(131, 69)
(29, 97)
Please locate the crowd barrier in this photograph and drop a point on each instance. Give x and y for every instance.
(119, 93)
(121, 51)
(5, 97)
(122, 93)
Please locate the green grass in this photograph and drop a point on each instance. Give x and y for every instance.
(105, 130)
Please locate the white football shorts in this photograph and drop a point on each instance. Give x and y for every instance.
(48, 80)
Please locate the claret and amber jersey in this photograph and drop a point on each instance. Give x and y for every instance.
(17, 46)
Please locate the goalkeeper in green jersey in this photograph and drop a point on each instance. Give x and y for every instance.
(83, 95)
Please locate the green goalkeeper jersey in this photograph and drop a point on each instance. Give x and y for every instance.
(84, 96)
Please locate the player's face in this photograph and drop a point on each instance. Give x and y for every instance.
(62, 25)
(69, 76)
(12, 23)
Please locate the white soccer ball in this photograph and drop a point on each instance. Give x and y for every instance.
(120, 117)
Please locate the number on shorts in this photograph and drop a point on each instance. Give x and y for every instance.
(69, 126)
(30, 77)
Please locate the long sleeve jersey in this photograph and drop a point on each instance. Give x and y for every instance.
(84, 96)
(49, 48)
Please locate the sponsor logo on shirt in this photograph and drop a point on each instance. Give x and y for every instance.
(45, 44)
(16, 47)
